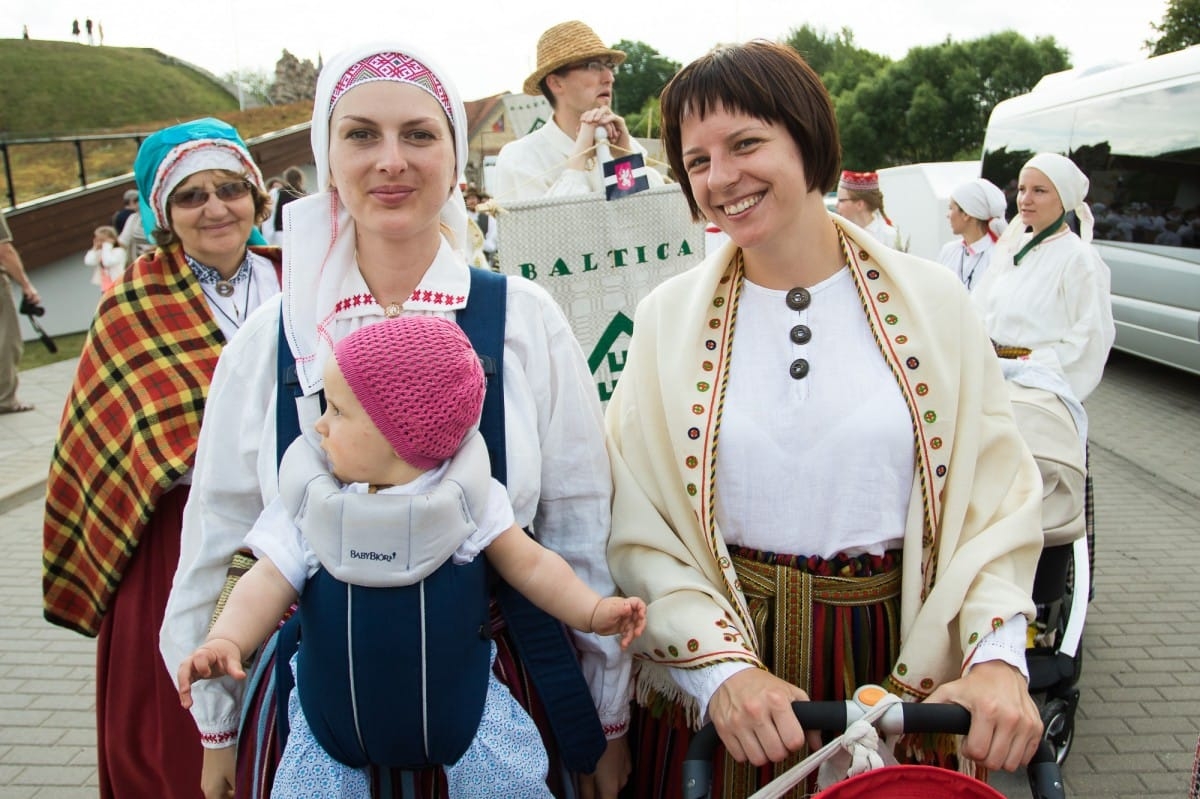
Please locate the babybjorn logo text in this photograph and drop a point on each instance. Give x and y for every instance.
(368, 555)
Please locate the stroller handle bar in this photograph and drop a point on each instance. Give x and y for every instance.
(1045, 778)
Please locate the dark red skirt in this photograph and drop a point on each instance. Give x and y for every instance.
(147, 744)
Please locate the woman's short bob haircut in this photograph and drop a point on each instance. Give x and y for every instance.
(767, 81)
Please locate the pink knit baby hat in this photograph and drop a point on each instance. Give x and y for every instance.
(419, 380)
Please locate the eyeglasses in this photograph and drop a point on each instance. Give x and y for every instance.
(845, 200)
(594, 66)
(195, 198)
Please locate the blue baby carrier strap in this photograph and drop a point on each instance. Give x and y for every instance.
(539, 639)
(541, 643)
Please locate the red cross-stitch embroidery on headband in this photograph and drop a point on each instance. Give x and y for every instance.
(397, 67)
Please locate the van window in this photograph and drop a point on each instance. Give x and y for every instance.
(1139, 149)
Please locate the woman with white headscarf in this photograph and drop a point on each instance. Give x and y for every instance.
(976, 216)
(384, 236)
(1046, 303)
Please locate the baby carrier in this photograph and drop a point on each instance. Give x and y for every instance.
(538, 639)
(396, 635)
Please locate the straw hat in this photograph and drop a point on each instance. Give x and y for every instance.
(567, 43)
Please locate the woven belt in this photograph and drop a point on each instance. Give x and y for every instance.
(1006, 351)
(794, 593)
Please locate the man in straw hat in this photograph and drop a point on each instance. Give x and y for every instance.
(575, 73)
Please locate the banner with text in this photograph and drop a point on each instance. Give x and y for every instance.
(598, 259)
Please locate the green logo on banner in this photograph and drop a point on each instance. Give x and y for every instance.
(608, 357)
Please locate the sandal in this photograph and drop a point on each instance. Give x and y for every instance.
(20, 407)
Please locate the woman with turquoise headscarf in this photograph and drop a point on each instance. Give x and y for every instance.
(385, 235)
(122, 465)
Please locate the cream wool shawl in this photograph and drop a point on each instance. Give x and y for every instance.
(973, 533)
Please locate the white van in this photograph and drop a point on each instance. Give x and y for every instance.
(1135, 131)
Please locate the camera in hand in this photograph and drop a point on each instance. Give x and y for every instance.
(30, 308)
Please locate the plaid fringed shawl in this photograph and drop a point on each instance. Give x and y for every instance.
(128, 431)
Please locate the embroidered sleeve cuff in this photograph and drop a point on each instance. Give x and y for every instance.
(1005, 643)
(219, 740)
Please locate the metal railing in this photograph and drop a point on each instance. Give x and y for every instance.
(77, 141)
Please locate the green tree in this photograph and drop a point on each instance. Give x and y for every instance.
(641, 77)
(1180, 28)
(934, 104)
(840, 63)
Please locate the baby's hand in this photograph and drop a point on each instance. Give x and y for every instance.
(215, 658)
(615, 615)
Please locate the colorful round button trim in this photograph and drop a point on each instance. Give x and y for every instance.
(901, 339)
(702, 386)
(872, 274)
(707, 366)
(936, 443)
(863, 255)
(719, 302)
(912, 363)
(694, 433)
(973, 638)
(698, 409)
(940, 471)
(997, 623)
(714, 323)
(673, 650)
(902, 669)
(692, 461)
(710, 345)
(922, 389)
(691, 489)
(883, 296)
(930, 417)
(927, 683)
(891, 319)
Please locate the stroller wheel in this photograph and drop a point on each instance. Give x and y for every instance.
(1058, 717)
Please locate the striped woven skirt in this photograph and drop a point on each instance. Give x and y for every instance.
(827, 626)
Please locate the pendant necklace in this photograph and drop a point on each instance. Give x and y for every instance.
(224, 287)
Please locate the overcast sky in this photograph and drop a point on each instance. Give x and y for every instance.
(490, 45)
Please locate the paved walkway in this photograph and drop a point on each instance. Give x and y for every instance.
(1140, 711)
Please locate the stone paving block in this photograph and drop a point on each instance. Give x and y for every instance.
(62, 701)
(1103, 786)
(42, 736)
(71, 718)
(1090, 744)
(1152, 743)
(1114, 710)
(23, 718)
(1110, 695)
(66, 793)
(66, 776)
(82, 736)
(1167, 784)
(1175, 724)
(39, 755)
(1133, 679)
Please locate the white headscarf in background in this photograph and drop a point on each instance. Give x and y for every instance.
(982, 200)
(1071, 184)
(319, 237)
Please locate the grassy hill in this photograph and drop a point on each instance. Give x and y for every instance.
(69, 89)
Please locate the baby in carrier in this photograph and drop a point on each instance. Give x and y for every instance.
(377, 539)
